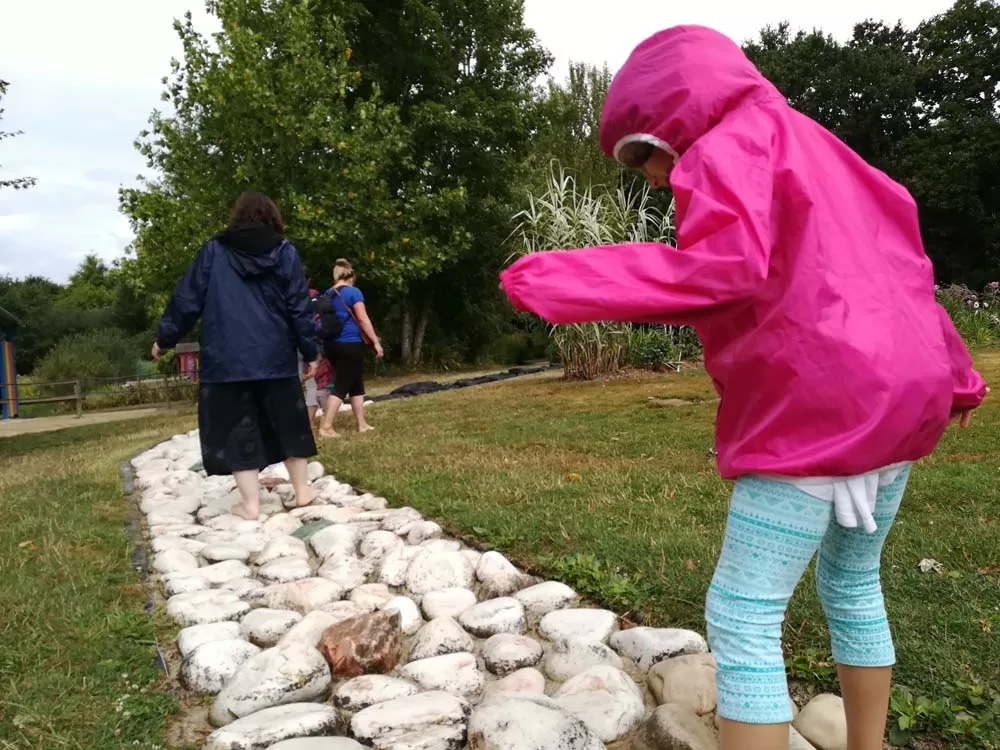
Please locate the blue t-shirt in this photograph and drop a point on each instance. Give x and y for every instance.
(349, 296)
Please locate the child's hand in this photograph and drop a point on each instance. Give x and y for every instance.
(963, 417)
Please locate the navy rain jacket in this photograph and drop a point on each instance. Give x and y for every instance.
(248, 287)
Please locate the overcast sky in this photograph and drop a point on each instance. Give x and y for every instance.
(85, 76)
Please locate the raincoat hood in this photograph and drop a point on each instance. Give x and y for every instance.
(675, 87)
(253, 250)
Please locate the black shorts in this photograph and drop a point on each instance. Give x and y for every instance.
(253, 424)
(348, 362)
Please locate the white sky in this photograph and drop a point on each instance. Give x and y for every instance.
(85, 76)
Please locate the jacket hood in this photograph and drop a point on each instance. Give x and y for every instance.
(675, 87)
(254, 250)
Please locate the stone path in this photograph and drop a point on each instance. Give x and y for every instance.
(348, 624)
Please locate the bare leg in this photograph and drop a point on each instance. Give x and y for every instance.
(866, 701)
(735, 735)
(248, 483)
(333, 405)
(312, 416)
(358, 407)
(298, 470)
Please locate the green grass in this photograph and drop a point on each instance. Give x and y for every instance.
(77, 660)
(619, 496)
(593, 483)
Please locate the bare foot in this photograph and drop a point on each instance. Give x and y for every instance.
(328, 434)
(366, 428)
(241, 511)
(310, 496)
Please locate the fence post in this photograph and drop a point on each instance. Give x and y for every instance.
(166, 391)
(78, 394)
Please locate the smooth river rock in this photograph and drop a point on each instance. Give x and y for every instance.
(506, 653)
(263, 729)
(605, 699)
(512, 721)
(427, 721)
(594, 625)
(210, 666)
(649, 646)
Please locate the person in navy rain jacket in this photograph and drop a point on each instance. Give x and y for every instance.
(248, 288)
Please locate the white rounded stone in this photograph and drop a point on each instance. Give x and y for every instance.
(544, 598)
(369, 690)
(265, 627)
(410, 620)
(184, 583)
(309, 630)
(503, 615)
(447, 603)
(302, 596)
(164, 543)
(229, 570)
(215, 553)
(318, 743)
(396, 565)
(246, 589)
(595, 625)
(282, 524)
(442, 545)
(499, 576)
(209, 667)
(506, 653)
(438, 638)
(522, 721)
(289, 674)
(285, 570)
(453, 673)
(175, 561)
(279, 547)
(574, 656)
(649, 646)
(271, 725)
(191, 637)
(162, 518)
(347, 572)
(315, 471)
(522, 681)
(335, 541)
(605, 699)
(421, 531)
(205, 607)
(430, 721)
(377, 545)
(438, 570)
(371, 596)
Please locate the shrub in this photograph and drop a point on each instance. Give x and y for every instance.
(976, 316)
(564, 216)
(103, 353)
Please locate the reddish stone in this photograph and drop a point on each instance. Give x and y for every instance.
(369, 644)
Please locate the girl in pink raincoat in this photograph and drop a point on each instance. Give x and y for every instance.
(803, 271)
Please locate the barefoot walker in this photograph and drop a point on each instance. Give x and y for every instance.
(803, 270)
(248, 287)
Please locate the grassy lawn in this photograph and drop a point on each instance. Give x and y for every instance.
(609, 486)
(77, 664)
(618, 495)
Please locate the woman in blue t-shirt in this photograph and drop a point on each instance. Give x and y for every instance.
(347, 352)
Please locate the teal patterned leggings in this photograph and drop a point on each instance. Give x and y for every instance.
(773, 532)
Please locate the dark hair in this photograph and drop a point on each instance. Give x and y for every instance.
(256, 208)
(635, 154)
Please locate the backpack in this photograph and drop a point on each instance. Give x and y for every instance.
(329, 326)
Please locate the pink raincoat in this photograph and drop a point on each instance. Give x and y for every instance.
(801, 267)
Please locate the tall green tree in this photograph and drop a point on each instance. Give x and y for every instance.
(272, 102)
(18, 183)
(461, 73)
(568, 132)
(921, 104)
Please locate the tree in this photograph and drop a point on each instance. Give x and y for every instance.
(920, 104)
(461, 73)
(18, 183)
(272, 103)
(568, 134)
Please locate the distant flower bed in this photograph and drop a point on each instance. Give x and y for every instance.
(976, 315)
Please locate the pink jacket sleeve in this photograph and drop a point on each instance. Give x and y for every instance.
(723, 198)
(970, 387)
